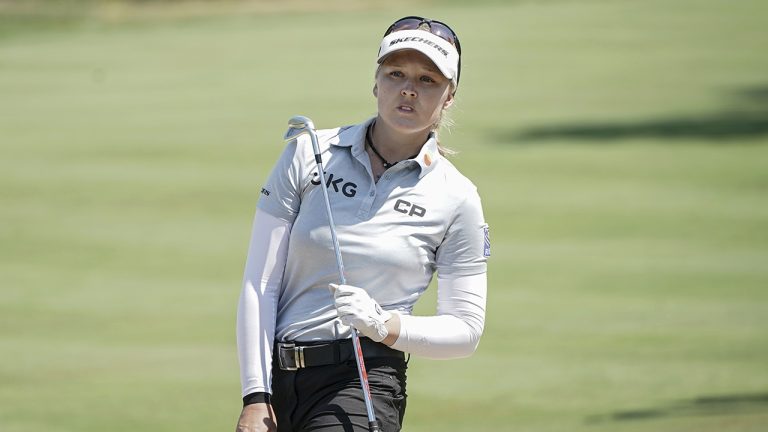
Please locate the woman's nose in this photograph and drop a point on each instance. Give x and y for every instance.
(408, 90)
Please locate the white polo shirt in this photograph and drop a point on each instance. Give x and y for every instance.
(422, 217)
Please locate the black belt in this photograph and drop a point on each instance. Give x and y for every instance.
(297, 355)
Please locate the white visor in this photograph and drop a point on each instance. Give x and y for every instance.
(439, 50)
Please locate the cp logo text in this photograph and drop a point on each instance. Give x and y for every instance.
(405, 207)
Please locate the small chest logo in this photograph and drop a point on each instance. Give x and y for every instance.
(410, 209)
(487, 242)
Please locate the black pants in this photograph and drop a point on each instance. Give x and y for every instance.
(330, 398)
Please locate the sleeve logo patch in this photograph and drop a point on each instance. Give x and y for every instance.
(264, 192)
(487, 243)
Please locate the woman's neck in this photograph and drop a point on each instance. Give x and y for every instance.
(394, 145)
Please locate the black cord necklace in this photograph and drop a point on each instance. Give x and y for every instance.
(369, 141)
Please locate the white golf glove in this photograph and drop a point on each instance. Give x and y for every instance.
(357, 309)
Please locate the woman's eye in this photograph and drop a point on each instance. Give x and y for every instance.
(427, 79)
(396, 73)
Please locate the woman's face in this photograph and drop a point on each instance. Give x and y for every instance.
(411, 92)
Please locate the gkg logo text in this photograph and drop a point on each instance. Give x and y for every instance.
(348, 189)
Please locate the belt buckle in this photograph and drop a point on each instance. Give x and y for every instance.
(296, 353)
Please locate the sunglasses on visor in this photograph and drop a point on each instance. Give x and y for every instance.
(437, 28)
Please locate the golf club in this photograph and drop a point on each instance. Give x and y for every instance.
(299, 125)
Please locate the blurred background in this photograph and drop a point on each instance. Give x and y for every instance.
(620, 147)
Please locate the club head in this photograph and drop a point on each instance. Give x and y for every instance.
(298, 125)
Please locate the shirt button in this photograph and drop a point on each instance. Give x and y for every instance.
(371, 193)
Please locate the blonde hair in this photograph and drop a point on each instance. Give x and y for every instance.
(445, 121)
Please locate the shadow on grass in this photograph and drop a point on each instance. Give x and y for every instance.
(747, 120)
(701, 406)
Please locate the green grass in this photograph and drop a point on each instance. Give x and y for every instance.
(621, 150)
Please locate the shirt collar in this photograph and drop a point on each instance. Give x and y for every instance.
(428, 156)
(354, 137)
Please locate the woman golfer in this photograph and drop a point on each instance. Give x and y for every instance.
(402, 213)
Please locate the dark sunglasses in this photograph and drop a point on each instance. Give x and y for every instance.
(437, 28)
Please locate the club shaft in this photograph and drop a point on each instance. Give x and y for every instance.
(372, 423)
(332, 225)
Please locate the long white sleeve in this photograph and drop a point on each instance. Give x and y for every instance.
(257, 308)
(456, 329)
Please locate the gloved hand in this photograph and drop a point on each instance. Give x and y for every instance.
(357, 309)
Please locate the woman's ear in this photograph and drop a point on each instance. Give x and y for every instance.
(448, 101)
(376, 90)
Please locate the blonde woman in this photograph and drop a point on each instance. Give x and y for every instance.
(403, 213)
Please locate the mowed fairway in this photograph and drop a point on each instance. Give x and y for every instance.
(621, 150)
